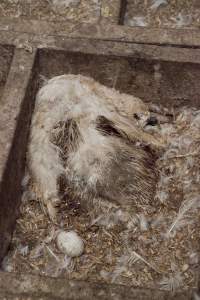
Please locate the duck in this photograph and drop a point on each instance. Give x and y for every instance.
(88, 141)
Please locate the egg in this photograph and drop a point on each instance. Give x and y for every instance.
(70, 243)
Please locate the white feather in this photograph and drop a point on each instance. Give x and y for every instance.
(157, 3)
(135, 257)
(183, 215)
(122, 266)
(182, 20)
(143, 222)
(61, 4)
(172, 283)
(137, 21)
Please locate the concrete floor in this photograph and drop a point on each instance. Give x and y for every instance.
(52, 10)
(163, 13)
(35, 24)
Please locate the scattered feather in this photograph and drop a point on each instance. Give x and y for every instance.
(61, 4)
(111, 218)
(157, 221)
(122, 266)
(25, 181)
(52, 253)
(157, 3)
(28, 196)
(105, 275)
(137, 21)
(194, 258)
(135, 257)
(144, 224)
(43, 79)
(7, 264)
(182, 20)
(162, 196)
(37, 251)
(23, 250)
(183, 217)
(172, 283)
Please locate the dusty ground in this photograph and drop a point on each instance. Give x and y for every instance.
(52, 10)
(154, 13)
(163, 13)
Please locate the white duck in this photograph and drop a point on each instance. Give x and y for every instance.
(93, 137)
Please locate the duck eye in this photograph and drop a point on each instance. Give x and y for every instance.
(136, 116)
(153, 121)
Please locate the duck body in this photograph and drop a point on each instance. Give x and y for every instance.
(93, 138)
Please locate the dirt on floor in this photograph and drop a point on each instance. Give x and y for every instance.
(163, 13)
(52, 10)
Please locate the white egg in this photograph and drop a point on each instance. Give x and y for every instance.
(70, 243)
